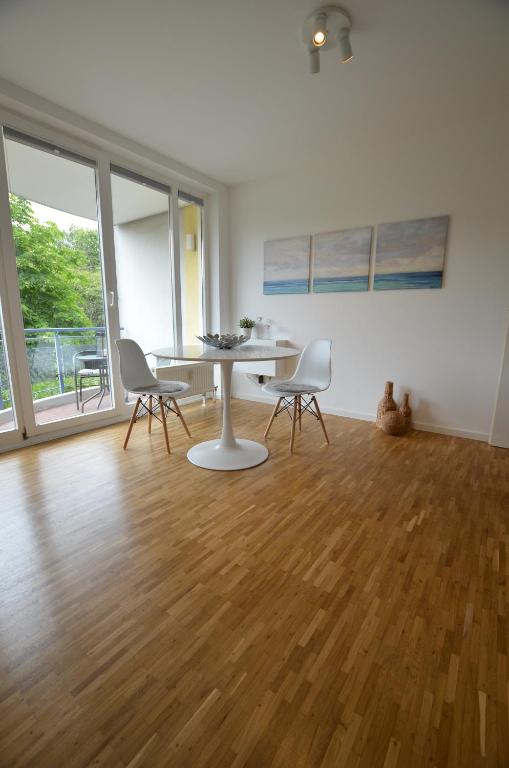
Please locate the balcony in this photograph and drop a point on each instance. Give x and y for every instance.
(51, 358)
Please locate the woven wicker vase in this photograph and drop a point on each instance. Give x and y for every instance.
(393, 423)
(406, 411)
(386, 403)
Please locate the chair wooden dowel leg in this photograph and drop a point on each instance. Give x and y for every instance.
(131, 423)
(150, 401)
(162, 408)
(274, 412)
(294, 421)
(179, 414)
(320, 418)
(300, 413)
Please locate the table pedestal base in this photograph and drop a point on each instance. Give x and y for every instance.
(213, 455)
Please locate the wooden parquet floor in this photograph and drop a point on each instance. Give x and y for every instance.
(344, 606)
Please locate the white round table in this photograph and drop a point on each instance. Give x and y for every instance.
(228, 452)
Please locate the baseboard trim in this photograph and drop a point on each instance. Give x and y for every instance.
(422, 426)
(452, 431)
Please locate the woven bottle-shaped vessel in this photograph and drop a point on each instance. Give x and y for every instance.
(406, 411)
(386, 403)
(393, 423)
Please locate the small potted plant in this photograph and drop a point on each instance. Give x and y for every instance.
(246, 326)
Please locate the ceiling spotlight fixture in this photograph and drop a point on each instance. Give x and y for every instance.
(325, 28)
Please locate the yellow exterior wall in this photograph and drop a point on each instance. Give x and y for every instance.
(190, 224)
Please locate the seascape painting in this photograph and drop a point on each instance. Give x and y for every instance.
(341, 260)
(410, 254)
(286, 265)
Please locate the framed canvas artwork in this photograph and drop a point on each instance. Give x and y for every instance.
(286, 265)
(410, 254)
(341, 260)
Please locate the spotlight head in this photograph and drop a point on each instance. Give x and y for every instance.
(345, 46)
(314, 61)
(319, 30)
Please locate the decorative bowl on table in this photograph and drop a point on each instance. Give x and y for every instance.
(223, 340)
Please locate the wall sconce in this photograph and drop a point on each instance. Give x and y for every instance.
(325, 28)
(190, 242)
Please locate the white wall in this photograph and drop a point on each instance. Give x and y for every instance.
(500, 427)
(142, 250)
(217, 262)
(443, 346)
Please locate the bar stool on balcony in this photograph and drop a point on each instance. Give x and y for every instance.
(89, 364)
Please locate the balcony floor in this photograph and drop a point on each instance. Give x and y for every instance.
(59, 412)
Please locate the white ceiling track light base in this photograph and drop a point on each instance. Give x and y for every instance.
(326, 28)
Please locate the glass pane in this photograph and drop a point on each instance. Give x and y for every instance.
(7, 417)
(58, 256)
(191, 270)
(144, 263)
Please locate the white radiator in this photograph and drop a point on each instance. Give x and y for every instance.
(199, 376)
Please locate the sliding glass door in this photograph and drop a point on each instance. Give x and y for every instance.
(7, 414)
(191, 266)
(144, 260)
(57, 247)
(87, 249)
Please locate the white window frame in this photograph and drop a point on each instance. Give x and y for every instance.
(14, 339)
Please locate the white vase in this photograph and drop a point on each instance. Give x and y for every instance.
(245, 332)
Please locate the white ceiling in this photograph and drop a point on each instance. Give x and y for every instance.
(68, 186)
(223, 85)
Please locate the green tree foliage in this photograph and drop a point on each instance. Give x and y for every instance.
(87, 241)
(59, 272)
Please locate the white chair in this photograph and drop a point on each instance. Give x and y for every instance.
(313, 375)
(138, 378)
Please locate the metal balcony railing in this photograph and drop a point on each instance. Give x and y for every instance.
(50, 354)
